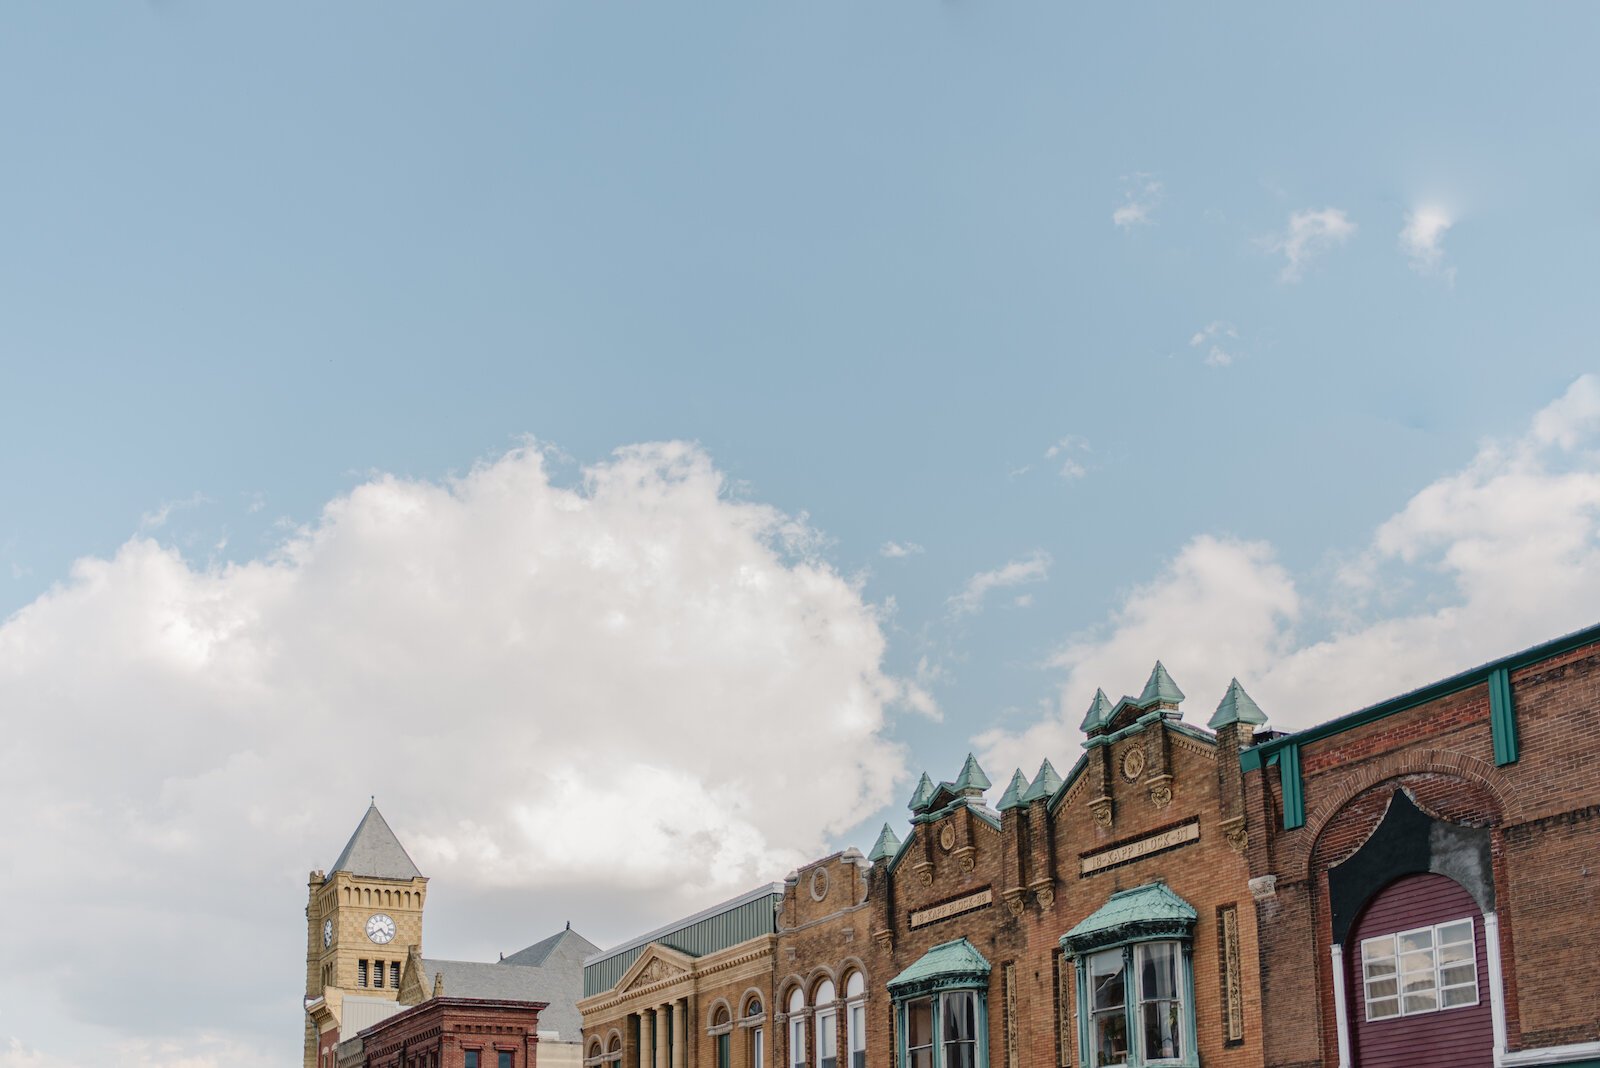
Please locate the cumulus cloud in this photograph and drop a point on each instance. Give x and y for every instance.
(1309, 234)
(1215, 339)
(899, 550)
(1141, 195)
(549, 687)
(1422, 240)
(1514, 537)
(1067, 453)
(1035, 567)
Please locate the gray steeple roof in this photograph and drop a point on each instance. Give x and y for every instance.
(375, 851)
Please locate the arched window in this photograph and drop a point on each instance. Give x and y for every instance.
(797, 1028)
(827, 1025)
(614, 1051)
(855, 992)
(758, 1035)
(722, 1032)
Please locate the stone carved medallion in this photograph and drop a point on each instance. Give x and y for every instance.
(1101, 809)
(1046, 896)
(1161, 795)
(947, 837)
(1133, 764)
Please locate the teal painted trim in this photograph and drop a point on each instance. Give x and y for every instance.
(1502, 717)
(1252, 759)
(1294, 788)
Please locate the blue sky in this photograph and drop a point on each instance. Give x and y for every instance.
(1240, 338)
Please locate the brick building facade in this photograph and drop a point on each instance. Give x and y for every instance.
(1413, 883)
(446, 1032)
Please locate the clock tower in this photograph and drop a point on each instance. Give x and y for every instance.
(363, 917)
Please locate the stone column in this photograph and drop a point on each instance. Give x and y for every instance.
(679, 1047)
(660, 1015)
(647, 1023)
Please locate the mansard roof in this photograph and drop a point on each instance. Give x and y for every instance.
(949, 964)
(1148, 911)
(374, 851)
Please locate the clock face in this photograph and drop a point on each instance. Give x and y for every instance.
(380, 928)
(327, 933)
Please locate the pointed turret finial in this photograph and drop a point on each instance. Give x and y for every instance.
(972, 781)
(922, 795)
(1045, 784)
(438, 984)
(1099, 713)
(1160, 689)
(885, 847)
(1237, 707)
(1012, 798)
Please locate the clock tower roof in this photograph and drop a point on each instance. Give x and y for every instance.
(375, 851)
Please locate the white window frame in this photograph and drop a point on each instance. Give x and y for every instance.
(855, 1019)
(1391, 942)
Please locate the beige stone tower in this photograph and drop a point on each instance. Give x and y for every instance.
(363, 917)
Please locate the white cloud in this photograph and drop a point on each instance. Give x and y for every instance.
(1034, 567)
(1141, 195)
(1515, 537)
(1422, 240)
(899, 550)
(1310, 233)
(552, 687)
(1067, 450)
(1216, 339)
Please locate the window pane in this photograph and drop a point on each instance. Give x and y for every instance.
(758, 1048)
(1110, 1038)
(922, 1057)
(471, 1060)
(1455, 932)
(960, 1017)
(1458, 974)
(505, 1058)
(1376, 968)
(1106, 980)
(1378, 948)
(919, 1022)
(1420, 1002)
(1417, 964)
(1382, 988)
(724, 1051)
(1158, 971)
(1161, 1038)
(858, 1028)
(1414, 940)
(1455, 954)
(1378, 1010)
(1461, 995)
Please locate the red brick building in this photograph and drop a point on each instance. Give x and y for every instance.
(1411, 884)
(1428, 890)
(447, 1032)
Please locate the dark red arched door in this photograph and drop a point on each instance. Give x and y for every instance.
(1419, 978)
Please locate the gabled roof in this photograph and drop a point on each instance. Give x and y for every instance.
(1148, 911)
(885, 847)
(1237, 707)
(1045, 784)
(1099, 713)
(950, 964)
(567, 942)
(375, 851)
(1012, 798)
(1160, 688)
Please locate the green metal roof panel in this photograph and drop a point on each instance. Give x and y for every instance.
(922, 795)
(745, 917)
(1046, 783)
(885, 847)
(1160, 688)
(1099, 713)
(971, 777)
(949, 964)
(1012, 798)
(1237, 707)
(1147, 911)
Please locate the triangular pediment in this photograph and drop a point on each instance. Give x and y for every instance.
(656, 964)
